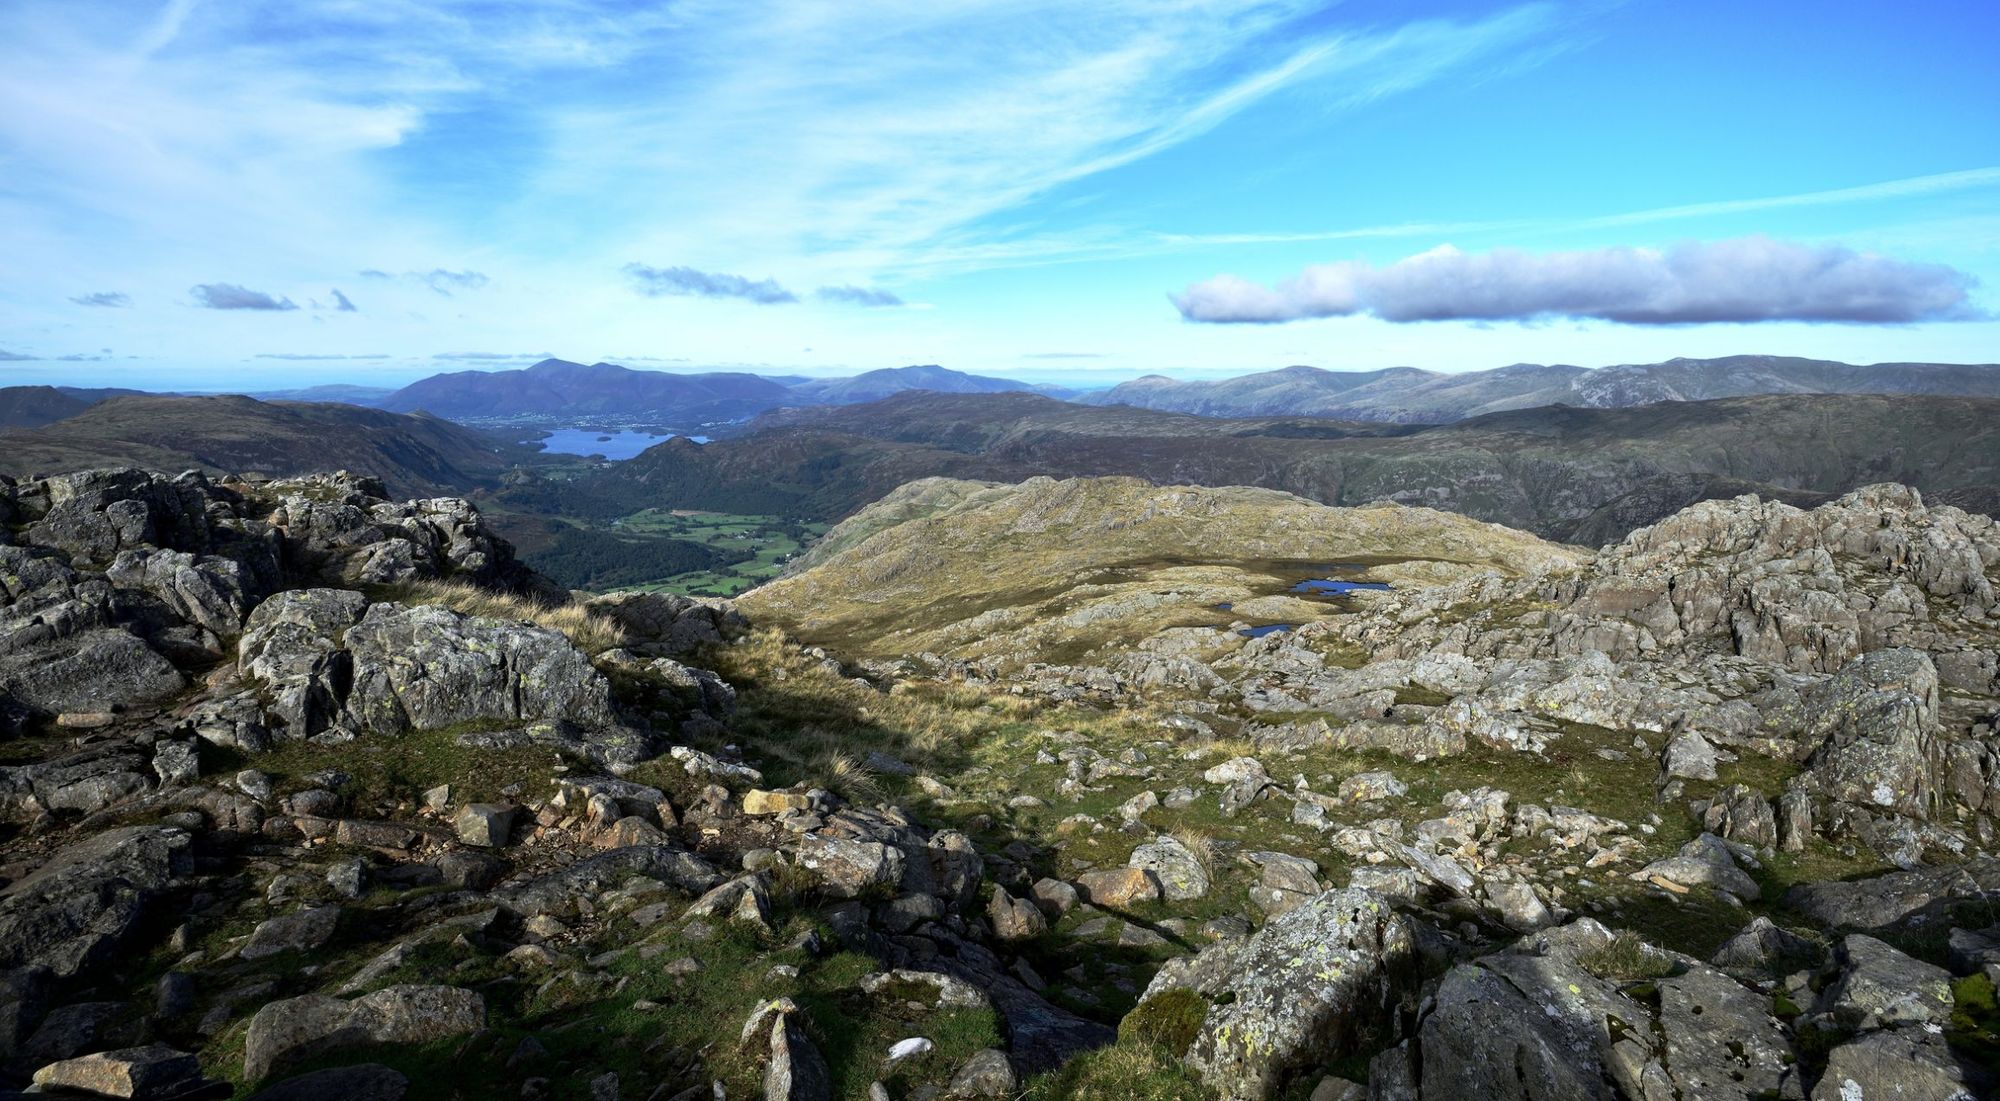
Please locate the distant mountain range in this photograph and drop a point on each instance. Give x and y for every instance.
(560, 393)
(889, 381)
(557, 388)
(1411, 396)
(1566, 473)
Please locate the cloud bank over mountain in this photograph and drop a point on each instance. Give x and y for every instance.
(1748, 279)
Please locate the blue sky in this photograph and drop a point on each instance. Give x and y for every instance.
(226, 195)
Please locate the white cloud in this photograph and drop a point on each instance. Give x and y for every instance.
(1749, 279)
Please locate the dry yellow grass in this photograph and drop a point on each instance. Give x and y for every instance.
(1201, 843)
(592, 634)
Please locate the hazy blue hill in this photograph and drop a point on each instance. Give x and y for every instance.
(34, 406)
(557, 389)
(1409, 395)
(888, 381)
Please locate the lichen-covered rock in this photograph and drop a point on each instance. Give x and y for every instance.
(848, 868)
(93, 670)
(428, 666)
(1318, 982)
(283, 1033)
(298, 931)
(1705, 861)
(796, 1071)
(155, 1071)
(1901, 898)
(295, 644)
(1014, 919)
(1898, 1063)
(1181, 873)
(1874, 729)
(668, 624)
(1875, 985)
(1563, 1034)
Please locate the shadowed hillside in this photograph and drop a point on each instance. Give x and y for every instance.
(1548, 470)
(413, 455)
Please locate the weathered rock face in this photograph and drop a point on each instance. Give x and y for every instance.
(295, 644)
(1874, 729)
(286, 1032)
(90, 671)
(668, 624)
(327, 658)
(1315, 983)
(1895, 899)
(123, 578)
(154, 1071)
(1558, 1031)
(427, 667)
(77, 911)
(340, 528)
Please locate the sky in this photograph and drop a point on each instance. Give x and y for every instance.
(215, 195)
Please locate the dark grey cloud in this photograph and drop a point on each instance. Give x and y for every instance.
(312, 356)
(110, 299)
(341, 303)
(493, 355)
(655, 282)
(857, 296)
(1747, 279)
(229, 296)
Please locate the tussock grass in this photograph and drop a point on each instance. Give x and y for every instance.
(1201, 843)
(1171, 1019)
(1627, 957)
(1129, 1071)
(593, 634)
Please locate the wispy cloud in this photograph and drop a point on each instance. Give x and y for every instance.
(476, 356)
(655, 282)
(16, 357)
(442, 281)
(857, 296)
(109, 299)
(1912, 187)
(795, 139)
(1062, 355)
(229, 296)
(341, 303)
(314, 356)
(1749, 279)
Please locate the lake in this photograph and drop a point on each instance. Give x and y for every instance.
(1267, 629)
(618, 445)
(1327, 586)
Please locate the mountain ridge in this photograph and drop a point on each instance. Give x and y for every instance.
(1413, 395)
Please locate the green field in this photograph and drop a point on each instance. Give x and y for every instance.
(769, 541)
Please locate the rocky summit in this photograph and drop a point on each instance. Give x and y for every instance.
(1060, 789)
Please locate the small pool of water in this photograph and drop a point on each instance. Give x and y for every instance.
(1266, 629)
(1222, 607)
(616, 446)
(1328, 586)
